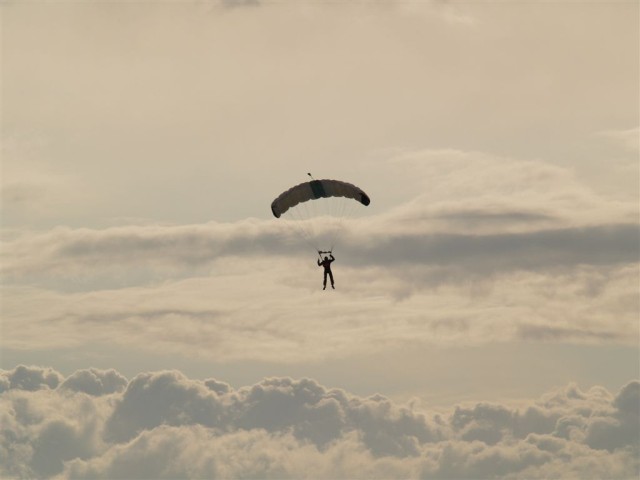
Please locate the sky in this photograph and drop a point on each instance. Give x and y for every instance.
(159, 322)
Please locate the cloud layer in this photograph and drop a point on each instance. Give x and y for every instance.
(143, 147)
(492, 250)
(96, 424)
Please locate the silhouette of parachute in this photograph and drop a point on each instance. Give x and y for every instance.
(317, 210)
(314, 190)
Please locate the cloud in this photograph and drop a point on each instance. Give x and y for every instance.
(628, 139)
(492, 250)
(42, 431)
(467, 191)
(165, 425)
(623, 428)
(95, 382)
(255, 310)
(385, 66)
(73, 250)
(485, 253)
(304, 408)
(31, 189)
(477, 212)
(240, 3)
(150, 401)
(29, 378)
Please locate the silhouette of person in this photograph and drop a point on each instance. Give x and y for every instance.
(326, 263)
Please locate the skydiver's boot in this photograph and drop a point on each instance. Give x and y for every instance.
(324, 287)
(333, 286)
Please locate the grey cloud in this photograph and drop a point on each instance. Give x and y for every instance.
(81, 251)
(304, 408)
(628, 400)
(188, 452)
(95, 382)
(21, 195)
(476, 217)
(43, 429)
(57, 442)
(282, 404)
(569, 426)
(161, 453)
(548, 332)
(491, 424)
(189, 245)
(484, 215)
(534, 420)
(166, 398)
(623, 428)
(165, 425)
(72, 251)
(218, 387)
(240, 3)
(223, 315)
(478, 460)
(388, 430)
(149, 314)
(29, 378)
(321, 416)
(531, 250)
(547, 443)
(484, 423)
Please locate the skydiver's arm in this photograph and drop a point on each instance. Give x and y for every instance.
(331, 255)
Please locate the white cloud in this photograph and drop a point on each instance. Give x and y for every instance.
(164, 425)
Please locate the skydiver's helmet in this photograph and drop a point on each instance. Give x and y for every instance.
(326, 258)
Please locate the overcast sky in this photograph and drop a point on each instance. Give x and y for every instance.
(485, 317)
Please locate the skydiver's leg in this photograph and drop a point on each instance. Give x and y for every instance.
(331, 277)
(324, 284)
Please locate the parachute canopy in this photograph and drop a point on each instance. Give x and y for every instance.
(317, 189)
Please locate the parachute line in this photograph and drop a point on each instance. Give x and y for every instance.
(317, 210)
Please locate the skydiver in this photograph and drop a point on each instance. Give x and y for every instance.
(326, 263)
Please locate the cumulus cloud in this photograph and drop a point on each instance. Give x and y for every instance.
(95, 382)
(165, 425)
(29, 378)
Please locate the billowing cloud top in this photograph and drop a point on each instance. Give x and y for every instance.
(165, 425)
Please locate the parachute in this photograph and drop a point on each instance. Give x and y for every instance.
(316, 210)
(314, 190)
